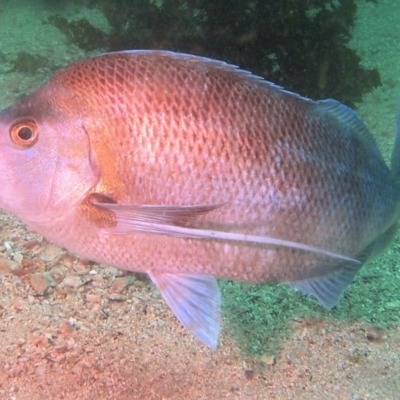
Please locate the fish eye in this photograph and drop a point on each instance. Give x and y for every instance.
(24, 133)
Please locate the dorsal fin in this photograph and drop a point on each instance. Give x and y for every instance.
(210, 63)
(350, 120)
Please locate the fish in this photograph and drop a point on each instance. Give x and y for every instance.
(192, 170)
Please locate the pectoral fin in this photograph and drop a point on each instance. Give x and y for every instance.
(173, 220)
(195, 300)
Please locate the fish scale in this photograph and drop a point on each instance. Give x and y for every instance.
(190, 169)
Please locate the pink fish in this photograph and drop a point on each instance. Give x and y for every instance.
(190, 169)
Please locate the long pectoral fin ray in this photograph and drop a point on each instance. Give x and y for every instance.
(164, 220)
(177, 215)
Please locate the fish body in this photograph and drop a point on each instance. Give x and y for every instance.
(190, 169)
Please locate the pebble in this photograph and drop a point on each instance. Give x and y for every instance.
(18, 257)
(74, 323)
(51, 253)
(18, 305)
(375, 335)
(39, 282)
(73, 281)
(31, 245)
(97, 280)
(26, 264)
(8, 246)
(57, 274)
(268, 359)
(112, 271)
(67, 261)
(80, 267)
(116, 297)
(93, 298)
(4, 268)
(65, 329)
(7, 266)
(120, 284)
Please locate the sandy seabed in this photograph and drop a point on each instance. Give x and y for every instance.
(71, 329)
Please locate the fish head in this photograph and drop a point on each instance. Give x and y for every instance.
(46, 166)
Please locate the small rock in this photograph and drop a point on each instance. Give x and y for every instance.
(31, 245)
(97, 280)
(120, 284)
(41, 341)
(4, 268)
(93, 298)
(31, 299)
(41, 369)
(18, 257)
(249, 374)
(112, 271)
(8, 246)
(74, 323)
(18, 305)
(8, 266)
(67, 260)
(51, 253)
(39, 282)
(66, 329)
(116, 297)
(80, 267)
(57, 274)
(375, 335)
(268, 359)
(73, 281)
(26, 264)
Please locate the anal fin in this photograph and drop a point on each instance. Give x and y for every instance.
(195, 300)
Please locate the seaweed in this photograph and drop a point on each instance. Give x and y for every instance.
(301, 45)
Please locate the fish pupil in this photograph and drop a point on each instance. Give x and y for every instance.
(25, 133)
